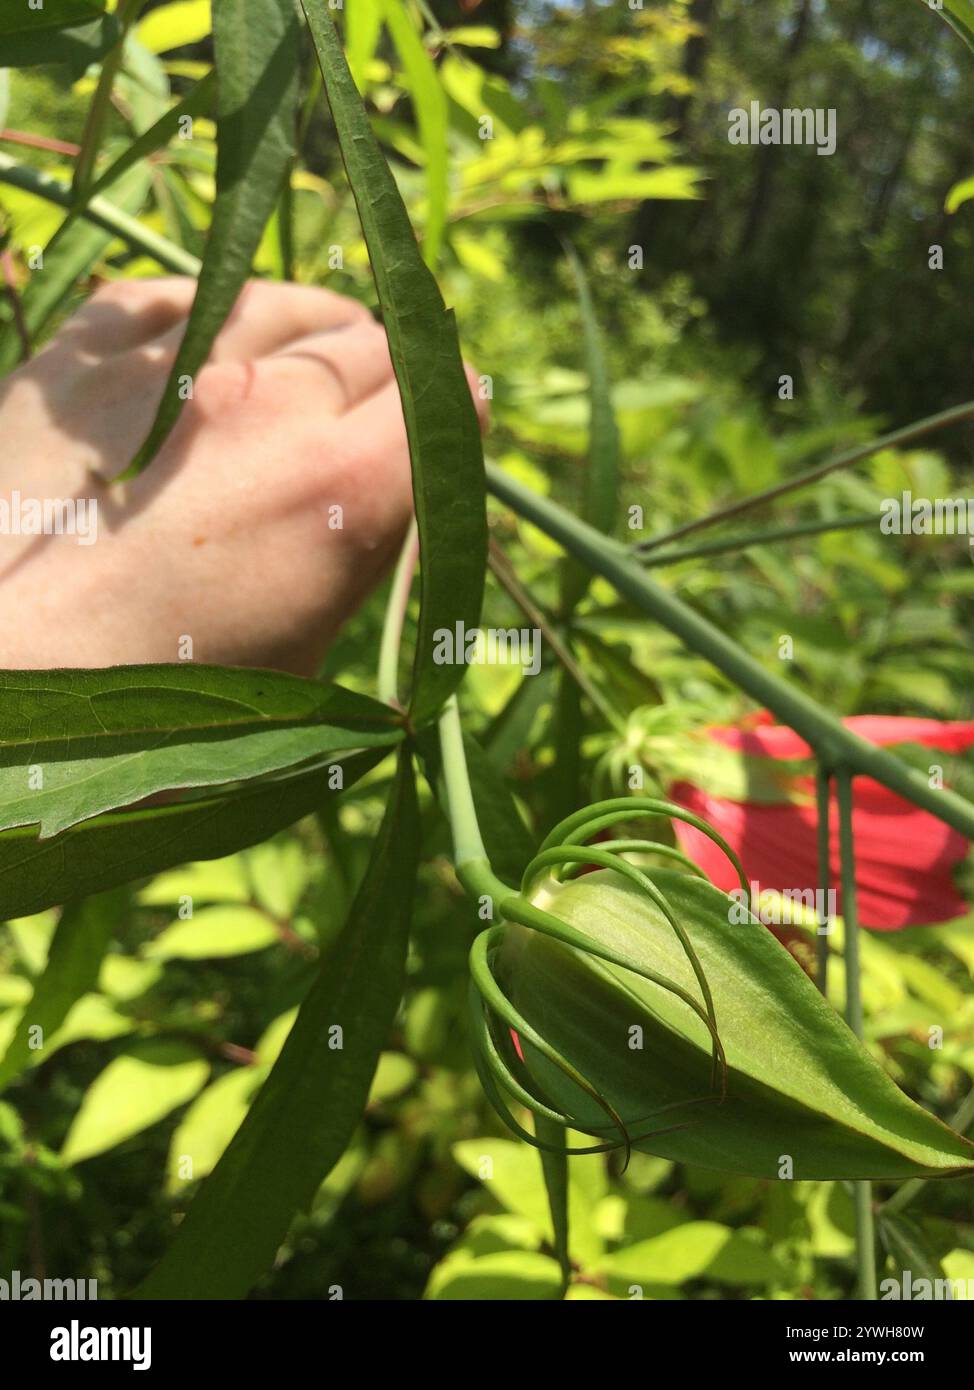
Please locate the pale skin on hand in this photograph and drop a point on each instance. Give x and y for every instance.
(229, 537)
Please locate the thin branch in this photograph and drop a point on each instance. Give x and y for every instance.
(746, 540)
(103, 214)
(503, 572)
(896, 440)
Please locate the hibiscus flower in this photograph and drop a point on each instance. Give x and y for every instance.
(904, 856)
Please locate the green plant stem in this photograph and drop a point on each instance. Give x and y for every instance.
(862, 1191)
(103, 214)
(746, 540)
(833, 744)
(961, 1121)
(554, 1165)
(126, 13)
(824, 878)
(469, 855)
(896, 440)
(395, 617)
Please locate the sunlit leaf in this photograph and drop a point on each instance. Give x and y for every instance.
(73, 965)
(139, 1088)
(76, 743)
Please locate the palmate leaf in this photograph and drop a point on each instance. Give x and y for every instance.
(256, 46)
(307, 1110)
(116, 848)
(441, 422)
(77, 743)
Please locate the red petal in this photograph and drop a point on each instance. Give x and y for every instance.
(777, 741)
(903, 855)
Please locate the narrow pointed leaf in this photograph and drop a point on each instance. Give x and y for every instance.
(117, 848)
(77, 743)
(307, 1110)
(257, 68)
(441, 422)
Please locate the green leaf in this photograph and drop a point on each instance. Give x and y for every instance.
(430, 104)
(76, 34)
(139, 1088)
(116, 848)
(908, 1245)
(55, 14)
(215, 932)
(604, 448)
(363, 25)
(74, 249)
(960, 194)
(512, 1173)
(696, 1250)
(194, 103)
(257, 67)
(441, 422)
(394, 1075)
(76, 743)
(175, 25)
(73, 965)
(202, 1135)
(800, 1085)
(307, 1110)
(959, 14)
(505, 1274)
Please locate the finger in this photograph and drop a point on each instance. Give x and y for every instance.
(343, 367)
(268, 316)
(127, 313)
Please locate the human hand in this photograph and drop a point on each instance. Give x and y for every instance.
(231, 537)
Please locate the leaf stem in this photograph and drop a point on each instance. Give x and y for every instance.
(862, 1191)
(395, 617)
(554, 1164)
(469, 855)
(824, 879)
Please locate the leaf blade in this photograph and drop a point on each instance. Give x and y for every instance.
(257, 64)
(303, 1116)
(441, 422)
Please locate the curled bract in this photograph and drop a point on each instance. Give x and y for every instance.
(629, 1001)
(503, 1027)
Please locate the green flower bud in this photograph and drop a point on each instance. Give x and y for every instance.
(634, 1006)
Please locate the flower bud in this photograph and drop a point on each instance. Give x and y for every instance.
(647, 1015)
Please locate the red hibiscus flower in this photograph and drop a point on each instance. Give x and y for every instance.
(904, 856)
